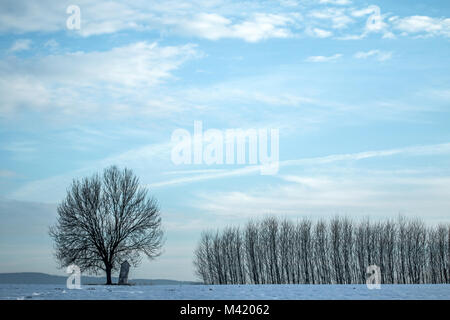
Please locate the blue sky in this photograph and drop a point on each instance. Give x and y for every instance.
(359, 91)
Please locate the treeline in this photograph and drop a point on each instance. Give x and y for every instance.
(338, 251)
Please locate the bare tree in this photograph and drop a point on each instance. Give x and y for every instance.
(347, 250)
(361, 252)
(270, 235)
(321, 249)
(335, 245)
(402, 251)
(251, 252)
(388, 242)
(202, 261)
(305, 250)
(287, 251)
(339, 251)
(105, 220)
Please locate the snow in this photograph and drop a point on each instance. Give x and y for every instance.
(225, 292)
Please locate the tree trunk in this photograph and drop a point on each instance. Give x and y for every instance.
(108, 275)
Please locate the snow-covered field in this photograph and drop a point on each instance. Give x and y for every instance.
(229, 292)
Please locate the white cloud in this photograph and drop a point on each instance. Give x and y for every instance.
(353, 37)
(106, 17)
(21, 91)
(259, 27)
(83, 79)
(20, 45)
(52, 188)
(210, 26)
(363, 12)
(336, 2)
(443, 94)
(319, 33)
(376, 25)
(324, 58)
(338, 17)
(263, 26)
(31, 16)
(423, 24)
(358, 194)
(19, 147)
(389, 35)
(51, 44)
(137, 64)
(437, 149)
(207, 176)
(250, 22)
(245, 91)
(379, 55)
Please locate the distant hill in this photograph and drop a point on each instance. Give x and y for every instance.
(43, 278)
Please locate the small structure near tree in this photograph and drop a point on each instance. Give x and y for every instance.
(123, 276)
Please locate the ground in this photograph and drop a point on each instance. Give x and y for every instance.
(226, 292)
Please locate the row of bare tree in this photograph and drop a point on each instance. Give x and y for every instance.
(274, 251)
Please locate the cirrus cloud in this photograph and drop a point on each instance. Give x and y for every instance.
(423, 24)
(378, 54)
(324, 58)
(83, 79)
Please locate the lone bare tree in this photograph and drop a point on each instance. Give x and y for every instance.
(105, 220)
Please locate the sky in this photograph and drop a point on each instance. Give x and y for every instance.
(358, 92)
